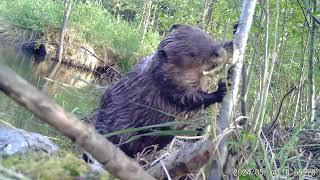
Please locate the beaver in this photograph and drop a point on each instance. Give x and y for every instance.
(163, 86)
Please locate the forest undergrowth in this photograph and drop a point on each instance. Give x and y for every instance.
(279, 97)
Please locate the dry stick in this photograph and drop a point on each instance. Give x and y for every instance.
(279, 110)
(304, 14)
(239, 45)
(102, 61)
(112, 159)
(187, 160)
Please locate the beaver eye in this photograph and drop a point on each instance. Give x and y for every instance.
(219, 52)
(192, 55)
(214, 54)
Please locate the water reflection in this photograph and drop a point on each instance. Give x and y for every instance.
(35, 71)
(74, 89)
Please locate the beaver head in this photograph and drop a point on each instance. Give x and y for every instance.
(187, 54)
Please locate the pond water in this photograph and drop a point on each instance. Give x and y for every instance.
(77, 91)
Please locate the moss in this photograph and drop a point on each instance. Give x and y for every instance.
(63, 165)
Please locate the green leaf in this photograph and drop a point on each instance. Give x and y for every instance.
(129, 130)
(162, 133)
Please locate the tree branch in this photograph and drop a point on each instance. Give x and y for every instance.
(112, 159)
(279, 110)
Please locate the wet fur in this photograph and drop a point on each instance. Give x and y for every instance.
(163, 85)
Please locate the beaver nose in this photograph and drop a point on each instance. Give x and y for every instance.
(228, 46)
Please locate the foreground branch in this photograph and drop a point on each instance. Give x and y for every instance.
(187, 160)
(112, 159)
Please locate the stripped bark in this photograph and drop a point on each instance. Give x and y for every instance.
(112, 159)
(239, 45)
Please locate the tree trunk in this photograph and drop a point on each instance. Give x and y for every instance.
(244, 88)
(239, 45)
(146, 22)
(264, 74)
(311, 63)
(67, 11)
(207, 13)
(154, 19)
(267, 76)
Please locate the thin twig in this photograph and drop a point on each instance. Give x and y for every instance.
(279, 110)
(165, 170)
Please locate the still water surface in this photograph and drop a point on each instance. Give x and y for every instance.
(75, 90)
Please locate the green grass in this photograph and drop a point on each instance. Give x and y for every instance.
(33, 14)
(92, 23)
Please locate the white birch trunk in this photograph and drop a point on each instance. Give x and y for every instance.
(239, 45)
(311, 64)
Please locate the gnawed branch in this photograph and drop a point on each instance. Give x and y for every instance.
(112, 159)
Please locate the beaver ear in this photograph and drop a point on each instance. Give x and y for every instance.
(176, 26)
(162, 55)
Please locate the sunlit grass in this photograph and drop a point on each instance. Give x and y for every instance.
(92, 23)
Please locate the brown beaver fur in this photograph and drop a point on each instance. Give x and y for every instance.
(163, 86)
